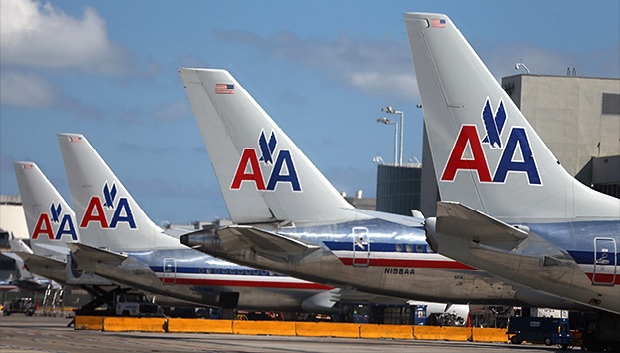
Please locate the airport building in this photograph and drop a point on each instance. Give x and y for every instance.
(399, 188)
(12, 218)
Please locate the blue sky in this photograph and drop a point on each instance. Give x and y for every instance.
(321, 69)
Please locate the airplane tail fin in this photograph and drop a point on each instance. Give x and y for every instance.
(108, 216)
(50, 221)
(485, 153)
(263, 175)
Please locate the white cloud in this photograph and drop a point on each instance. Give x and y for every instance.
(375, 67)
(383, 67)
(385, 83)
(39, 35)
(26, 90)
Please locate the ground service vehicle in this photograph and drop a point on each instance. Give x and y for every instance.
(135, 304)
(547, 330)
(19, 306)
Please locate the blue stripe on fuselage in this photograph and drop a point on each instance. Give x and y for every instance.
(380, 247)
(219, 271)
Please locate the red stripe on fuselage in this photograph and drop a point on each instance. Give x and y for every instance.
(605, 278)
(237, 283)
(447, 265)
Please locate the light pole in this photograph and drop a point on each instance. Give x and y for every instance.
(387, 121)
(522, 66)
(391, 110)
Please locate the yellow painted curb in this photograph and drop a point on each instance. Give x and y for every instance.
(489, 334)
(291, 328)
(442, 333)
(143, 324)
(88, 323)
(274, 328)
(327, 329)
(200, 326)
(386, 331)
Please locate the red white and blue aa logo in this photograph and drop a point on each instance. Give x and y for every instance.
(95, 212)
(279, 163)
(516, 152)
(64, 223)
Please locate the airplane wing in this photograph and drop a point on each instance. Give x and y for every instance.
(268, 244)
(459, 220)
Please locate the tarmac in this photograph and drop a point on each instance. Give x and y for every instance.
(19, 333)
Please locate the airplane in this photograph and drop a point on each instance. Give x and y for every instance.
(289, 218)
(26, 279)
(120, 242)
(51, 224)
(7, 285)
(510, 207)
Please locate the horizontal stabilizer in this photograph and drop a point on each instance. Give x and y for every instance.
(32, 260)
(408, 221)
(82, 252)
(19, 245)
(268, 244)
(51, 250)
(459, 220)
(19, 264)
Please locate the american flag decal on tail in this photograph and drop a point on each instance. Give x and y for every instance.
(224, 88)
(438, 23)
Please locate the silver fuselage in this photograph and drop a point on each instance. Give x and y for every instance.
(193, 277)
(573, 260)
(377, 256)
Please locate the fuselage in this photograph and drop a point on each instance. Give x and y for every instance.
(592, 244)
(576, 260)
(384, 257)
(200, 279)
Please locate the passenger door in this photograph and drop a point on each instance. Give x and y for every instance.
(605, 264)
(361, 247)
(170, 271)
